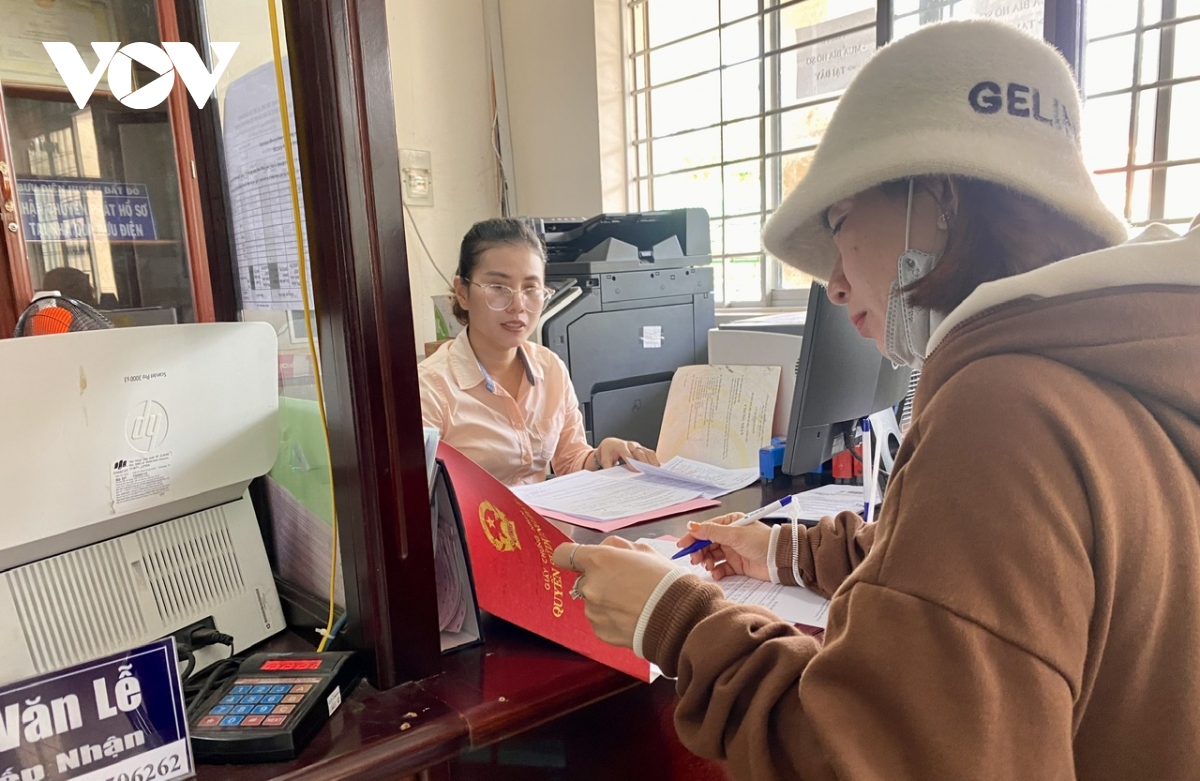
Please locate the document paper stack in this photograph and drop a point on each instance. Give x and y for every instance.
(621, 493)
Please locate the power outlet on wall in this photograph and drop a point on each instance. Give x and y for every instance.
(416, 176)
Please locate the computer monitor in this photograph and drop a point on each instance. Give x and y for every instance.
(840, 378)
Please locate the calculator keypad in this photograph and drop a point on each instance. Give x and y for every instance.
(256, 705)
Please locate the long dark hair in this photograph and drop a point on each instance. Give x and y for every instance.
(486, 234)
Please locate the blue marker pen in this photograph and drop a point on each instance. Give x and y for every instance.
(762, 512)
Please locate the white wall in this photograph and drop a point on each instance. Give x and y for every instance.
(564, 83)
(442, 97)
(550, 73)
(611, 103)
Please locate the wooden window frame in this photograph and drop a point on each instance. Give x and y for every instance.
(350, 164)
(16, 286)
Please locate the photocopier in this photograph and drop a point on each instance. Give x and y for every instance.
(633, 302)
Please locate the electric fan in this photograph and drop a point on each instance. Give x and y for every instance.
(54, 314)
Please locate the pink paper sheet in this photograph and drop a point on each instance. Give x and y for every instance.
(621, 523)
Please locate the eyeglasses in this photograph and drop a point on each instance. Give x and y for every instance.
(500, 297)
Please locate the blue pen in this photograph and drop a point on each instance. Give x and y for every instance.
(762, 512)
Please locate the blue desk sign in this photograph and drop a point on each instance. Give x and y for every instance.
(120, 718)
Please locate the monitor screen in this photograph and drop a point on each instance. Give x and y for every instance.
(840, 378)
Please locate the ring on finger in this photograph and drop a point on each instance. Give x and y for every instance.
(571, 558)
(575, 592)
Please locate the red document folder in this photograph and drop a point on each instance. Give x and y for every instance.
(511, 549)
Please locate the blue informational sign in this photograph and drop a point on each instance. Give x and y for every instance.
(120, 718)
(72, 210)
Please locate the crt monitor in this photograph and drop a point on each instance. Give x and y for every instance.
(840, 378)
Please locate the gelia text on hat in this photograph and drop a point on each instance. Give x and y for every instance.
(988, 97)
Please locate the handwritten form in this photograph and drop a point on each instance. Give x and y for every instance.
(711, 481)
(719, 415)
(794, 604)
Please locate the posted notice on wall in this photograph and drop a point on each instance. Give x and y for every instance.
(260, 193)
(119, 717)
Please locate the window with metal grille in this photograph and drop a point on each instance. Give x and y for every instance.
(1141, 126)
(730, 97)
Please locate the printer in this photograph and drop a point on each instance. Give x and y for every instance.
(126, 515)
(633, 302)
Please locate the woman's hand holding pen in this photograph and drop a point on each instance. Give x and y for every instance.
(617, 576)
(613, 451)
(740, 550)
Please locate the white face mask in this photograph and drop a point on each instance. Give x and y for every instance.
(909, 326)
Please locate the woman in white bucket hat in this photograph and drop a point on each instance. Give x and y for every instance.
(1028, 604)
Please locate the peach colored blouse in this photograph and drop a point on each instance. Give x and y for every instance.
(515, 440)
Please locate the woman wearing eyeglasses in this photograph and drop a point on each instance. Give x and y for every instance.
(504, 402)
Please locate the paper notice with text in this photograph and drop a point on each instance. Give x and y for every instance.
(720, 415)
(260, 194)
(140, 482)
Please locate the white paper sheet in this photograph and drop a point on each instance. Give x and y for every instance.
(711, 481)
(719, 415)
(599, 496)
(795, 604)
(827, 500)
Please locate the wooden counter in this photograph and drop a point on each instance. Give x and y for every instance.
(516, 706)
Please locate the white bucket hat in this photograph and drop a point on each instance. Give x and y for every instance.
(974, 98)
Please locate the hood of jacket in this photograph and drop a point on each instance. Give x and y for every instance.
(1127, 315)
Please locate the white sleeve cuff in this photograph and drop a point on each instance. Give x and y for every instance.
(648, 610)
(773, 546)
(796, 552)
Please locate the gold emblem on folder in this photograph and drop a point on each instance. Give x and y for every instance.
(500, 531)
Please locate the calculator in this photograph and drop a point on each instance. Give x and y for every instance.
(271, 707)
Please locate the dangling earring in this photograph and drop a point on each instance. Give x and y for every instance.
(943, 221)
